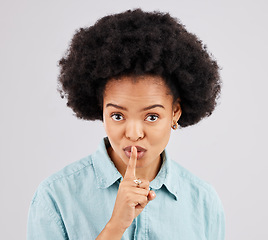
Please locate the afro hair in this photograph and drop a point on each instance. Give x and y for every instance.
(138, 43)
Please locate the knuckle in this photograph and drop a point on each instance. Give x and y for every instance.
(145, 192)
(144, 200)
(146, 183)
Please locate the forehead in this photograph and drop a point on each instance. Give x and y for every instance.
(137, 88)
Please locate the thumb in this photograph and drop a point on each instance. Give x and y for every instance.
(151, 195)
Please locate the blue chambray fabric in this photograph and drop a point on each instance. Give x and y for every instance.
(77, 202)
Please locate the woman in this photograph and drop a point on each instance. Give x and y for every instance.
(142, 74)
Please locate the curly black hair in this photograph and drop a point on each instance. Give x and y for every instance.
(138, 43)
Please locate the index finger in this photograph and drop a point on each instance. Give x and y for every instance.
(131, 167)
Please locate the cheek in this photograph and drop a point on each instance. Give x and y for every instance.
(160, 134)
(112, 130)
(107, 125)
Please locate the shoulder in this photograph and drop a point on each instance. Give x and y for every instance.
(198, 194)
(69, 171)
(200, 197)
(67, 177)
(53, 198)
(192, 184)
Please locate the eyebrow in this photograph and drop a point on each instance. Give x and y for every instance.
(144, 109)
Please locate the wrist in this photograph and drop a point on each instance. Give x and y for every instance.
(113, 227)
(111, 231)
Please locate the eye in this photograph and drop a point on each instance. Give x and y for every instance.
(151, 118)
(117, 117)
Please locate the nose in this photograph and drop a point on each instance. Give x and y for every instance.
(134, 131)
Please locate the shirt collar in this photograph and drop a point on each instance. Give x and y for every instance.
(107, 173)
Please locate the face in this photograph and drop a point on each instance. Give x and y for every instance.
(138, 113)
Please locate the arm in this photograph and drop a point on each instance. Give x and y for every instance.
(44, 224)
(111, 231)
(217, 226)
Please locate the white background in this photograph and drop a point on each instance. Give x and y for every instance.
(39, 135)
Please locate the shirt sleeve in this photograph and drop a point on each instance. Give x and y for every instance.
(44, 222)
(217, 226)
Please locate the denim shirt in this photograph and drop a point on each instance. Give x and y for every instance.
(77, 202)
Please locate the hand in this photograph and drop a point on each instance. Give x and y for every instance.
(131, 199)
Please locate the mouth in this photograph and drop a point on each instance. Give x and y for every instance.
(140, 151)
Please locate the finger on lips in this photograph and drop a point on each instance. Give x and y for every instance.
(131, 172)
(131, 167)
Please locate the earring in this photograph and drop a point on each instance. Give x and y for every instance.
(175, 126)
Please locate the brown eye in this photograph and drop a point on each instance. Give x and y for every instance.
(117, 117)
(152, 118)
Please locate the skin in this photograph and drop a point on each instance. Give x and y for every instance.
(132, 126)
(136, 112)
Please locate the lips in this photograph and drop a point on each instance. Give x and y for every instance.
(140, 151)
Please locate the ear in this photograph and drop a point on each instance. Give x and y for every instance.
(176, 110)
